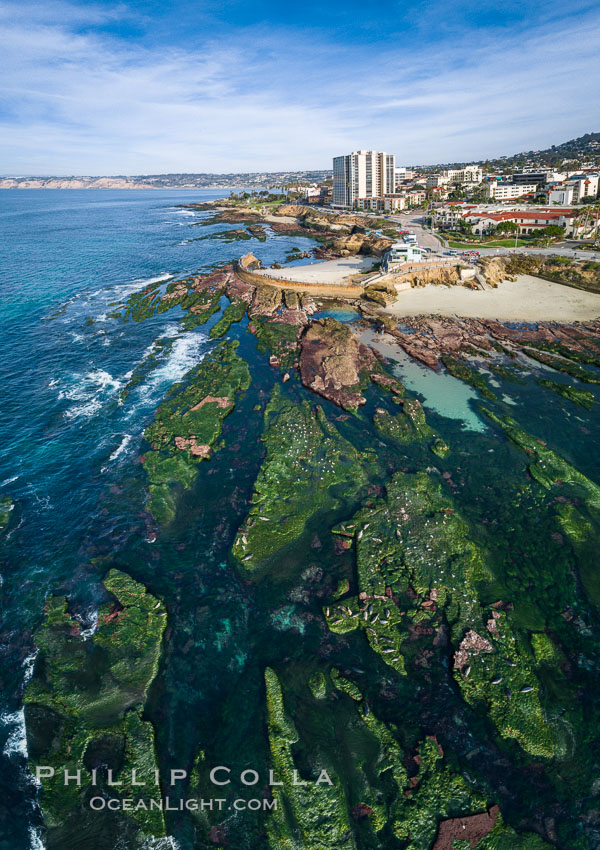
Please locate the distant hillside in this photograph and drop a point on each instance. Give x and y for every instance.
(583, 149)
(168, 181)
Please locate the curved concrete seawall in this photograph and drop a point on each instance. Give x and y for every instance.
(333, 290)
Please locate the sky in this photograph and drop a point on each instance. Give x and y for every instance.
(203, 86)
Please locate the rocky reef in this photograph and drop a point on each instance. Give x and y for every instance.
(334, 364)
(306, 458)
(187, 425)
(84, 714)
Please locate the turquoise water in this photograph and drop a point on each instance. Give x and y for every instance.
(440, 391)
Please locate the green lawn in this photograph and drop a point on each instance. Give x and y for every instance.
(496, 243)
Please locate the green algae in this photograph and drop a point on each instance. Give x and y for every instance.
(188, 424)
(233, 313)
(308, 816)
(584, 398)
(417, 564)
(306, 458)
(405, 427)
(505, 374)
(6, 507)
(199, 305)
(84, 706)
(440, 447)
(546, 467)
(502, 676)
(413, 555)
(561, 364)
(206, 304)
(435, 793)
(278, 339)
(318, 685)
(460, 370)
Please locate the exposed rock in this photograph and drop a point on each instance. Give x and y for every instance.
(471, 644)
(470, 828)
(249, 262)
(266, 301)
(332, 360)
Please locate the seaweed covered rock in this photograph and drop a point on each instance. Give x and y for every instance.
(84, 714)
(233, 313)
(405, 427)
(306, 457)
(498, 671)
(311, 812)
(189, 422)
(334, 363)
(460, 370)
(6, 506)
(583, 398)
(417, 567)
(278, 339)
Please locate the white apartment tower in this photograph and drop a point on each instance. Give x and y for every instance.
(362, 174)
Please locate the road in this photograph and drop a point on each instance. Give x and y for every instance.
(413, 221)
(427, 239)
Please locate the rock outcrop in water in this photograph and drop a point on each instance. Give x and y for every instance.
(334, 364)
(84, 714)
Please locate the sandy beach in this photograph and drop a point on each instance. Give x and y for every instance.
(528, 299)
(330, 271)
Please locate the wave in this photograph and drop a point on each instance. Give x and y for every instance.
(8, 481)
(121, 449)
(184, 355)
(92, 390)
(127, 438)
(35, 840)
(16, 742)
(186, 352)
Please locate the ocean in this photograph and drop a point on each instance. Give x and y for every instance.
(67, 439)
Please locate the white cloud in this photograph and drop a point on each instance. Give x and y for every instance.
(78, 102)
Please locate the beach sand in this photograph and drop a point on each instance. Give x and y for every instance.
(528, 299)
(330, 271)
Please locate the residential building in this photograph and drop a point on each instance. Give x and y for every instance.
(584, 186)
(400, 254)
(540, 178)
(390, 203)
(468, 174)
(416, 197)
(501, 191)
(362, 174)
(561, 195)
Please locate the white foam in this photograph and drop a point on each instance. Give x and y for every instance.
(9, 480)
(184, 355)
(16, 743)
(91, 391)
(168, 843)
(35, 839)
(122, 447)
(91, 629)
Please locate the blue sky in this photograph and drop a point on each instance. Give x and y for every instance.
(152, 87)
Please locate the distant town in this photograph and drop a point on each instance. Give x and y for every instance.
(540, 196)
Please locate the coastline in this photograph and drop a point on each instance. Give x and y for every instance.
(528, 299)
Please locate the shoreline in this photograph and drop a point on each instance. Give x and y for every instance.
(528, 299)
